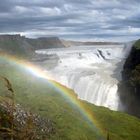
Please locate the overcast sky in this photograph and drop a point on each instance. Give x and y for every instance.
(72, 19)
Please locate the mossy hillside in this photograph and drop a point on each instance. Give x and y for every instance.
(15, 45)
(130, 84)
(43, 99)
(137, 44)
(40, 97)
(131, 71)
(22, 46)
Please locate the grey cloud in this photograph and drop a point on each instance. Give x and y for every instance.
(71, 18)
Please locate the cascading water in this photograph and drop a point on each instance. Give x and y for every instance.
(93, 72)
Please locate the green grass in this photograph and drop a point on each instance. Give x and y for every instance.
(11, 45)
(16, 46)
(40, 97)
(137, 44)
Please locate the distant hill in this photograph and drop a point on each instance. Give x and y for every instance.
(15, 45)
(22, 46)
(69, 43)
(45, 43)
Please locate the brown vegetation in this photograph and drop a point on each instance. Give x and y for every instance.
(18, 124)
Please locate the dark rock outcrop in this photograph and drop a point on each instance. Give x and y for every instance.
(130, 86)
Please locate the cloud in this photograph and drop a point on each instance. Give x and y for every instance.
(78, 19)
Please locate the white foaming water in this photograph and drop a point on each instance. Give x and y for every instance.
(92, 72)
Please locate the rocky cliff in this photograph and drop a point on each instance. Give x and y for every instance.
(130, 85)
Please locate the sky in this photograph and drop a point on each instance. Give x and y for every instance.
(97, 20)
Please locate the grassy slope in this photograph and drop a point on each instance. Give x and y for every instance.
(137, 44)
(38, 96)
(13, 46)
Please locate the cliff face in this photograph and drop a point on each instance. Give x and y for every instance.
(131, 71)
(130, 85)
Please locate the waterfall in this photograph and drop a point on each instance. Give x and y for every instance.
(92, 72)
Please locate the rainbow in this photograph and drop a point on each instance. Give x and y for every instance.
(39, 72)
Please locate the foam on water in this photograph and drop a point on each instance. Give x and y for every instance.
(92, 72)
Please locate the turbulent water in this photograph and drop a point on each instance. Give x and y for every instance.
(93, 72)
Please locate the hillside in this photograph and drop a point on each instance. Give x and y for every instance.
(69, 43)
(45, 43)
(130, 85)
(22, 46)
(71, 122)
(15, 45)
